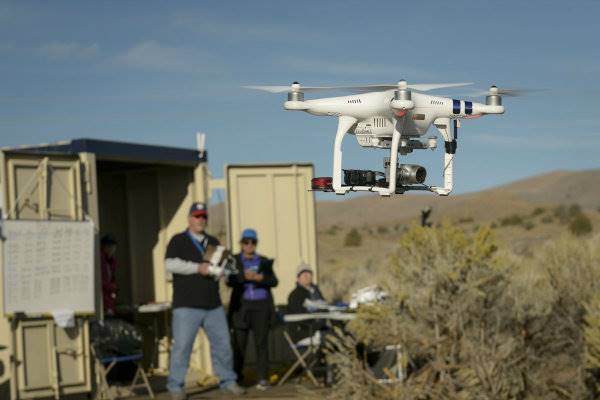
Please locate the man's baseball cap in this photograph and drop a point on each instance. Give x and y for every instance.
(304, 267)
(198, 209)
(249, 233)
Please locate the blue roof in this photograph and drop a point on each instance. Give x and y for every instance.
(106, 150)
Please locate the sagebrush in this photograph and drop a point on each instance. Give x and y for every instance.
(478, 322)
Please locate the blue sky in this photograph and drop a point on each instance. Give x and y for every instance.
(157, 72)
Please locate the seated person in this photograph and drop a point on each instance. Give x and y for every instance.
(305, 289)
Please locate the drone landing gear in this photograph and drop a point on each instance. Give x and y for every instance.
(344, 125)
(450, 133)
(400, 178)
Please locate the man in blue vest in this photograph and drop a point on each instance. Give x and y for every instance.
(197, 304)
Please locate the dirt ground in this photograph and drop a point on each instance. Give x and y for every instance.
(295, 389)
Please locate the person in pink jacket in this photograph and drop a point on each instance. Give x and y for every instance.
(108, 265)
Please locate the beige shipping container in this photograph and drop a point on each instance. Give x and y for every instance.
(274, 199)
(138, 193)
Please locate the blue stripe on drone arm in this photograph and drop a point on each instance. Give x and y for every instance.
(455, 106)
(468, 107)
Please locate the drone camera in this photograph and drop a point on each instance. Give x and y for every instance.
(409, 174)
(406, 174)
(359, 177)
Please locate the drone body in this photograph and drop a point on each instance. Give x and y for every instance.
(390, 117)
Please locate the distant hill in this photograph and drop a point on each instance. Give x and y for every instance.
(561, 187)
(524, 213)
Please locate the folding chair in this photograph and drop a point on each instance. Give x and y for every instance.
(105, 364)
(303, 349)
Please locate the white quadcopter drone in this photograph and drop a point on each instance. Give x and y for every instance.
(390, 116)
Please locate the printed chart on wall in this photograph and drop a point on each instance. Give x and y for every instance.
(48, 266)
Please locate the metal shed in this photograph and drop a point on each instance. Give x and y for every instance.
(140, 194)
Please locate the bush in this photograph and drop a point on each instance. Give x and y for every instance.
(574, 210)
(528, 225)
(538, 211)
(580, 224)
(332, 230)
(561, 213)
(353, 238)
(547, 219)
(382, 229)
(474, 323)
(511, 220)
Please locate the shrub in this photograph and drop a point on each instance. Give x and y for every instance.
(382, 229)
(580, 225)
(528, 225)
(353, 238)
(561, 213)
(477, 324)
(332, 230)
(547, 219)
(538, 211)
(511, 220)
(574, 210)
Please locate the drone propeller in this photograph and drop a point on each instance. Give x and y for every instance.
(494, 90)
(296, 87)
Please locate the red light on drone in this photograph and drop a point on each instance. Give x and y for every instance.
(322, 183)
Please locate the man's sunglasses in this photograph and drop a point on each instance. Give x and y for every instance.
(248, 241)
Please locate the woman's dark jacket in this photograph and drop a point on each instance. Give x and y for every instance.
(236, 312)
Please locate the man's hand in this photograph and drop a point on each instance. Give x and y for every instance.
(203, 268)
(253, 276)
(249, 275)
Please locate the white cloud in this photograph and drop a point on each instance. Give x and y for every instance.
(62, 50)
(235, 28)
(152, 55)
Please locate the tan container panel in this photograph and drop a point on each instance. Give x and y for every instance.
(46, 187)
(276, 201)
(26, 191)
(52, 360)
(64, 195)
(43, 187)
(34, 344)
(72, 355)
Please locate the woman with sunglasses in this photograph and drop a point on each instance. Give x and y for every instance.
(251, 307)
